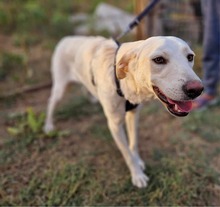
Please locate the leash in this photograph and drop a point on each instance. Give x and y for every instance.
(138, 19)
(129, 106)
(117, 82)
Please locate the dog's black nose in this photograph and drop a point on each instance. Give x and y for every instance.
(193, 88)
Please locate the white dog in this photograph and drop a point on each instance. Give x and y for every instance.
(121, 77)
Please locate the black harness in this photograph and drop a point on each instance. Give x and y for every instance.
(128, 105)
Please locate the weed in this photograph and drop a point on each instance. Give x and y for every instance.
(24, 129)
(31, 125)
(28, 124)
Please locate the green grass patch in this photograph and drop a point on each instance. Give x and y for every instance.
(25, 130)
(9, 62)
(76, 108)
(37, 17)
(204, 124)
(101, 177)
(100, 131)
(58, 186)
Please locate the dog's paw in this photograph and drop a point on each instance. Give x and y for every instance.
(48, 128)
(140, 180)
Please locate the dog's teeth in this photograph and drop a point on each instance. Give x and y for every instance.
(176, 108)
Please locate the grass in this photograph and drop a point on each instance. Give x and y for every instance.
(78, 107)
(180, 173)
(199, 124)
(10, 62)
(80, 184)
(25, 130)
(60, 187)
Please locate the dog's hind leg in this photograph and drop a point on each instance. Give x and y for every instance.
(132, 118)
(56, 95)
(61, 78)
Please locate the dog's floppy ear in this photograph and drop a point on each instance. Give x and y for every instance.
(122, 65)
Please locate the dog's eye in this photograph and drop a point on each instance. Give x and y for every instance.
(190, 57)
(160, 60)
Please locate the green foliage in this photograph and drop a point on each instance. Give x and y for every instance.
(31, 16)
(10, 62)
(30, 125)
(35, 122)
(60, 25)
(36, 18)
(25, 40)
(26, 130)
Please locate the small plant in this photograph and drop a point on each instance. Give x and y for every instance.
(30, 124)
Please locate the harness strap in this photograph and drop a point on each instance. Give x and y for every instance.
(128, 105)
(117, 82)
(92, 76)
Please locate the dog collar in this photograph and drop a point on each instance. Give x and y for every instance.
(128, 105)
(117, 82)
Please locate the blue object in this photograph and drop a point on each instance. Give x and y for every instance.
(211, 45)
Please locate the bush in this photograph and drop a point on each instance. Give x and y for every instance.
(9, 62)
(36, 18)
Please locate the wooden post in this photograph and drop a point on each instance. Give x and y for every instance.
(151, 25)
(141, 29)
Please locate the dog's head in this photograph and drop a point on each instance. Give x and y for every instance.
(163, 66)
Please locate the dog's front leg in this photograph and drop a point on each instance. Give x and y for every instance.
(139, 179)
(132, 118)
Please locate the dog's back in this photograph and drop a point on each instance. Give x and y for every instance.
(79, 59)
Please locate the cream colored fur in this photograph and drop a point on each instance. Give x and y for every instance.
(76, 58)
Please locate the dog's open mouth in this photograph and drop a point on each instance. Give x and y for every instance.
(176, 108)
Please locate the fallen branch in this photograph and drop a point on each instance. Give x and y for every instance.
(26, 89)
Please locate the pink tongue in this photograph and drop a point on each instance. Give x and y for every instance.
(182, 106)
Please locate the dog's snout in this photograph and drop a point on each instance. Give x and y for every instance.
(193, 88)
